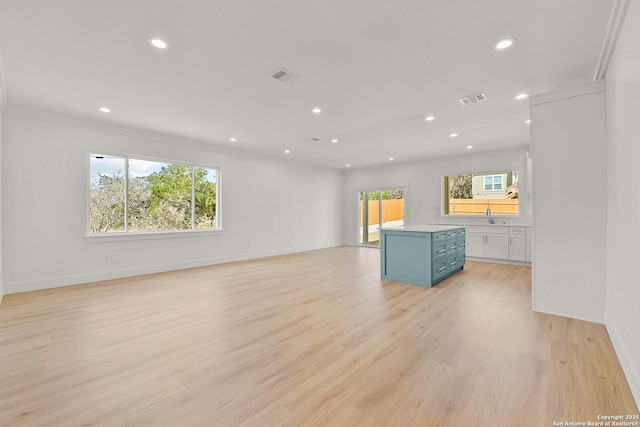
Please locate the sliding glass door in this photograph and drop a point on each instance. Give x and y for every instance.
(379, 208)
(369, 218)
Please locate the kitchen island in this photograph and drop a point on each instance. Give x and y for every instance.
(421, 255)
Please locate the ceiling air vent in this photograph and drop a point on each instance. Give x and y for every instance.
(473, 99)
(313, 139)
(285, 76)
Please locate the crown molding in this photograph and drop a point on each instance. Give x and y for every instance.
(616, 19)
(597, 86)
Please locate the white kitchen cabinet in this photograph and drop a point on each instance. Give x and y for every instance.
(488, 242)
(517, 243)
(511, 243)
(475, 245)
(497, 246)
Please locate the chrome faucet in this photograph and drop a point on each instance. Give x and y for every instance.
(491, 220)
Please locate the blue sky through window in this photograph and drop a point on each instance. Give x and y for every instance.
(101, 164)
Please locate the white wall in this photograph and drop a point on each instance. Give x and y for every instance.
(623, 198)
(423, 180)
(569, 182)
(1, 209)
(269, 205)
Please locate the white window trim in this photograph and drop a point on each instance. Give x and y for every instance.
(145, 235)
(149, 235)
(439, 211)
(493, 183)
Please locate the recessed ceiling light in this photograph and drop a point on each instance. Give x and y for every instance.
(317, 110)
(158, 43)
(429, 118)
(469, 147)
(287, 151)
(453, 135)
(391, 159)
(348, 165)
(334, 141)
(105, 109)
(232, 139)
(520, 96)
(527, 121)
(505, 44)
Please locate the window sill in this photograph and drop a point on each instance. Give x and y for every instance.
(119, 237)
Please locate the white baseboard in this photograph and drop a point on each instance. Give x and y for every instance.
(500, 261)
(630, 370)
(56, 282)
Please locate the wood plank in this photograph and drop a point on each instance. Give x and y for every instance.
(313, 338)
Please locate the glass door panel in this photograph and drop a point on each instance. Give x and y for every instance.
(369, 218)
(392, 208)
(379, 208)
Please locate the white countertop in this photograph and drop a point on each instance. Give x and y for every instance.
(424, 228)
(498, 223)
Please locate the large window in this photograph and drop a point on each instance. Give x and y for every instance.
(494, 193)
(137, 195)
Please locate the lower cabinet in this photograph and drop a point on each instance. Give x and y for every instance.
(498, 242)
(421, 255)
(488, 242)
(497, 246)
(517, 244)
(475, 245)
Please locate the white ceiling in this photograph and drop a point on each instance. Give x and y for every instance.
(376, 68)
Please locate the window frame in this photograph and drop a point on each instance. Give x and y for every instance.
(493, 182)
(159, 234)
(444, 200)
(380, 190)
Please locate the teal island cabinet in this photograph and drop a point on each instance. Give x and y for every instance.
(421, 255)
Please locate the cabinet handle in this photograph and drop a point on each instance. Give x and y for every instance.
(442, 268)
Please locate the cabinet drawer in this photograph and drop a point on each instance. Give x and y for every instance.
(462, 243)
(462, 259)
(452, 247)
(452, 263)
(439, 236)
(517, 231)
(488, 229)
(452, 234)
(439, 268)
(439, 250)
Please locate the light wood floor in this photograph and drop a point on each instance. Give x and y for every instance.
(307, 339)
